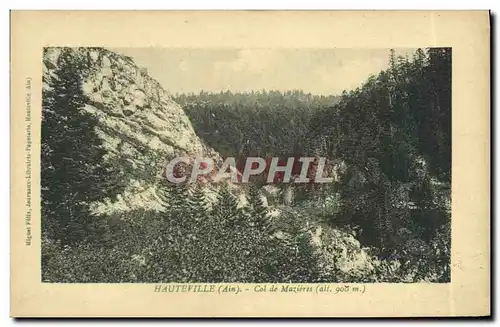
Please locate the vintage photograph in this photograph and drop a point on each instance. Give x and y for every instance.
(246, 165)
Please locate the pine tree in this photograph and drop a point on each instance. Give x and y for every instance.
(73, 171)
(419, 58)
(392, 61)
(227, 208)
(258, 211)
(199, 206)
(177, 198)
(179, 215)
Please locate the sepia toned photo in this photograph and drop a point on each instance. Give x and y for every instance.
(250, 171)
(109, 128)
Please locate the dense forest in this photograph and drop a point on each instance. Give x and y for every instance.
(259, 123)
(389, 140)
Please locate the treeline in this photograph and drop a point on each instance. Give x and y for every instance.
(263, 123)
(400, 113)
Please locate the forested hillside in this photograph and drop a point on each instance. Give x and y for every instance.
(108, 215)
(262, 123)
(394, 134)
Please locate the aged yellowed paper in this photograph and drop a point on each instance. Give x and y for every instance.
(250, 163)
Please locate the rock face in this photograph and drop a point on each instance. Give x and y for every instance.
(139, 123)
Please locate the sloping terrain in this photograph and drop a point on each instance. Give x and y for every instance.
(139, 123)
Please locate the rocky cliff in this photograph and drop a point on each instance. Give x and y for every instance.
(139, 123)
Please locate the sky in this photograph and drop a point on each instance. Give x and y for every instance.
(318, 71)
